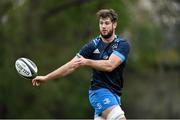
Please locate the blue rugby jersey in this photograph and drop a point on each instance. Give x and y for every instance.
(96, 49)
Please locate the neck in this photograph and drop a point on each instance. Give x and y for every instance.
(108, 40)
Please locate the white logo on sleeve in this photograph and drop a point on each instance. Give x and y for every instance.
(106, 101)
(99, 106)
(96, 51)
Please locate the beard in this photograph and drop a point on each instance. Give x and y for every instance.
(108, 35)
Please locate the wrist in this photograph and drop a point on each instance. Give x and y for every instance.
(46, 77)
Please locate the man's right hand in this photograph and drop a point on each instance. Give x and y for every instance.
(38, 80)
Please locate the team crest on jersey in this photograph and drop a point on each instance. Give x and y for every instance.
(114, 46)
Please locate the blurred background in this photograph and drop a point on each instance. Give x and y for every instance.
(51, 32)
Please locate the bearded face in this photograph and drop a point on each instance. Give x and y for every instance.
(107, 27)
(107, 34)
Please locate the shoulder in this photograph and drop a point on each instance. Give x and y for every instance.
(91, 44)
(122, 41)
(95, 40)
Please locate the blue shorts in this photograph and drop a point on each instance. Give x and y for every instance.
(103, 98)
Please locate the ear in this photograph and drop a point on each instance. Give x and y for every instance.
(114, 25)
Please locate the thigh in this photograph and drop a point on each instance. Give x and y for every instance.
(107, 111)
(101, 99)
(114, 113)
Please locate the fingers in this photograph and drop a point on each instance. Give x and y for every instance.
(38, 80)
(35, 82)
(76, 62)
(82, 61)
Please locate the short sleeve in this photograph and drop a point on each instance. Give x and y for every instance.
(122, 50)
(87, 50)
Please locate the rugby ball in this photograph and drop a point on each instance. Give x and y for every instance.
(26, 68)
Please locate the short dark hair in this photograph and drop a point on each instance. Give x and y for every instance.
(104, 13)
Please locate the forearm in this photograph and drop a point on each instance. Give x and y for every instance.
(102, 65)
(62, 71)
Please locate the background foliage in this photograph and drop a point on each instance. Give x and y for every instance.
(51, 32)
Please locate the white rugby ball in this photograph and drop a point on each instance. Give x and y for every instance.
(26, 68)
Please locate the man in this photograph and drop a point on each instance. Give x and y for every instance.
(106, 55)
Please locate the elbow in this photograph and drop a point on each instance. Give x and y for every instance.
(110, 68)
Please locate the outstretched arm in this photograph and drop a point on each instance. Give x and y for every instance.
(64, 70)
(60, 72)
